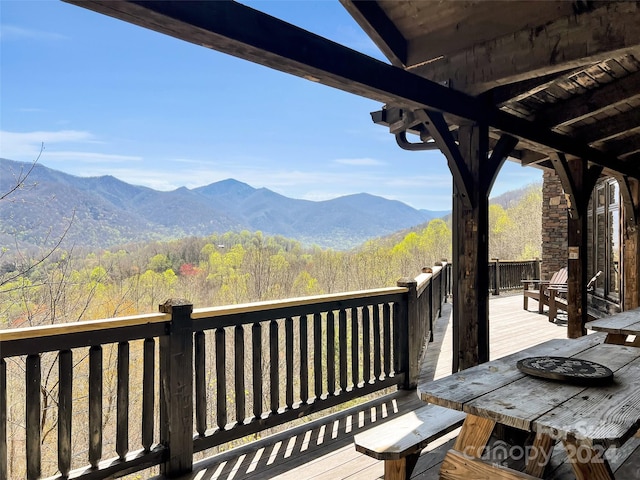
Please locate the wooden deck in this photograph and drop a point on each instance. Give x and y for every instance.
(323, 448)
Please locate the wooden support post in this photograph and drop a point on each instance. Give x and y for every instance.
(471, 254)
(577, 277)
(412, 339)
(578, 180)
(473, 176)
(176, 389)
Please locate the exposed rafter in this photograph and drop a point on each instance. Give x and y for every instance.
(522, 89)
(593, 101)
(375, 22)
(610, 128)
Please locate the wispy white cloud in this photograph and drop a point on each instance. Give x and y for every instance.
(13, 32)
(27, 145)
(58, 146)
(91, 157)
(359, 162)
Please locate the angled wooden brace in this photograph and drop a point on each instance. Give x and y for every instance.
(578, 198)
(630, 208)
(499, 155)
(439, 130)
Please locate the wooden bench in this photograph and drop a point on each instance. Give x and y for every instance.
(539, 289)
(399, 441)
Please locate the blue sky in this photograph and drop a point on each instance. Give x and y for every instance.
(107, 97)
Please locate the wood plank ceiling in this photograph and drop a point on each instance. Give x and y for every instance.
(570, 66)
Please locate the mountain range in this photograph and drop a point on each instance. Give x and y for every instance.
(102, 212)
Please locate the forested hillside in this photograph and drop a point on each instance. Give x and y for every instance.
(232, 268)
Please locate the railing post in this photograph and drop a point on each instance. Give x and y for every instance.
(176, 389)
(496, 277)
(413, 341)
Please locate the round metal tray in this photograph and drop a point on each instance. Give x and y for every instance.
(572, 370)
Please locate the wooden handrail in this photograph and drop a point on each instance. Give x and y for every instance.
(267, 305)
(81, 327)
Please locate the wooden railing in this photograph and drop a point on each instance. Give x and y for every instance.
(201, 378)
(508, 275)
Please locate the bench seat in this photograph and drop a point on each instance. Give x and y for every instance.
(400, 441)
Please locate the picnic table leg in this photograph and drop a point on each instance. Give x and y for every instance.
(474, 435)
(587, 463)
(464, 460)
(540, 454)
(400, 469)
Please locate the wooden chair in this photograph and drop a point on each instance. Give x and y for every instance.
(539, 289)
(557, 298)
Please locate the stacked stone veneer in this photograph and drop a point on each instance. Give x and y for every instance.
(554, 225)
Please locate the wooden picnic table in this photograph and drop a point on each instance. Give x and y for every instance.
(619, 327)
(587, 419)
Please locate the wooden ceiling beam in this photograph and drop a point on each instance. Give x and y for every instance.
(379, 28)
(609, 127)
(235, 29)
(569, 42)
(586, 104)
(513, 92)
(624, 147)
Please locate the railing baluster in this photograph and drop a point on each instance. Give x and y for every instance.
(317, 354)
(221, 378)
(274, 366)
(386, 323)
(239, 373)
(199, 351)
(366, 345)
(288, 334)
(4, 466)
(122, 412)
(377, 357)
(65, 405)
(256, 359)
(95, 405)
(304, 360)
(342, 340)
(148, 392)
(331, 353)
(355, 348)
(33, 379)
(401, 347)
